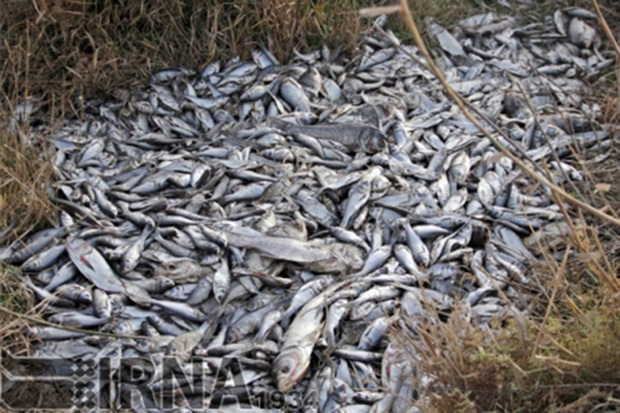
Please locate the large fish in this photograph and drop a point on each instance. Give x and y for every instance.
(334, 258)
(352, 136)
(93, 266)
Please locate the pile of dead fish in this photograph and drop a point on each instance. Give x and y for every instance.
(288, 215)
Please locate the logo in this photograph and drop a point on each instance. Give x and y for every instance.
(139, 383)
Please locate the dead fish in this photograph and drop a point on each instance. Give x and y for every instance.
(260, 217)
(93, 266)
(294, 94)
(580, 33)
(352, 136)
(446, 40)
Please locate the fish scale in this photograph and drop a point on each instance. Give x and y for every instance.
(236, 190)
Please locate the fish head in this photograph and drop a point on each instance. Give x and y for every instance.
(220, 294)
(155, 320)
(34, 333)
(380, 184)
(85, 297)
(137, 294)
(233, 334)
(179, 268)
(126, 266)
(174, 292)
(175, 348)
(373, 140)
(104, 311)
(290, 367)
(45, 277)
(77, 245)
(400, 249)
(57, 318)
(117, 303)
(457, 175)
(117, 256)
(166, 283)
(122, 328)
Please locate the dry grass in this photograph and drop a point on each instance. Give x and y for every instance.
(563, 358)
(16, 296)
(59, 49)
(25, 176)
(13, 340)
(574, 364)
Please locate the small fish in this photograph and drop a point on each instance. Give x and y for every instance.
(358, 196)
(221, 281)
(405, 258)
(293, 94)
(373, 333)
(269, 322)
(419, 250)
(44, 259)
(102, 304)
(375, 259)
(36, 244)
(580, 33)
(181, 309)
(132, 253)
(75, 292)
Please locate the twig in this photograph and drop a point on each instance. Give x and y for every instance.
(614, 43)
(606, 28)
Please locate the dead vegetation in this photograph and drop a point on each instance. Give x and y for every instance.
(16, 296)
(564, 358)
(25, 177)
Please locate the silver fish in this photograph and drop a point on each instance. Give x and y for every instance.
(44, 259)
(221, 281)
(294, 94)
(132, 254)
(93, 266)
